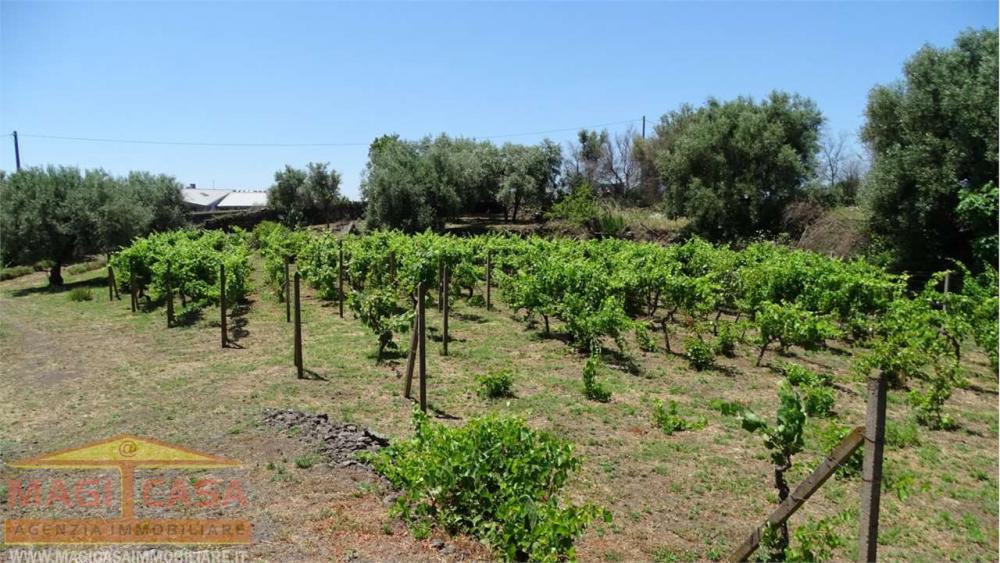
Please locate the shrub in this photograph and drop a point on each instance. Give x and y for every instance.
(608, 223)
(700, 354)
(495, 478)
(81, 294)
(15, 272)
(669, 421)
(496, 384)
(579, 207)
(591, 388)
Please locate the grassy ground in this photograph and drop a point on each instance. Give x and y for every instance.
(76, 372)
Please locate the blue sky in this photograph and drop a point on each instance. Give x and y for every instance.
(343, 73)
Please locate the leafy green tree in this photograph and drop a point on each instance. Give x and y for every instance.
(58, 214)
(107, 213)
(305, 196)
(530, 174)
(732, 167)
(402, 189)
(36, 218)
(161, 195)
(934, 140)
(418, 185)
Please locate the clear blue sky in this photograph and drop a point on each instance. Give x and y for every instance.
(347, 72)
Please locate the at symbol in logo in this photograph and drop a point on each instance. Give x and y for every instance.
(128, 448)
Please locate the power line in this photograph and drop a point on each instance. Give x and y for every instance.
(188, 143)
(344, 144)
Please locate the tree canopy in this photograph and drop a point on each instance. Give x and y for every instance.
(732, 167)
(933, 135)
(305, 196)
(59, 214)
(418, 185)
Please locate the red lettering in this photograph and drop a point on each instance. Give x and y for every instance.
(31, 494)
(147, 493)
(58, 492)
(88, 498)
(178, 494)
(204, 489)
(234, 494)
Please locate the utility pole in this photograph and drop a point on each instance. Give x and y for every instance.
(17, 152)
(644, 127)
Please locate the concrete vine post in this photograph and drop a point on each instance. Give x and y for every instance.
(222, 304)
(288, 300)
(444, 305)
(170, 299)
(422, 345)
(489, 277)
(298, 329)
(411, 358)
(340, 278)
(871, 470)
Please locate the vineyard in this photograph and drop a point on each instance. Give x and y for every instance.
(644, 361)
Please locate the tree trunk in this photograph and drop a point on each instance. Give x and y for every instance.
(55, 275)
(517, 204)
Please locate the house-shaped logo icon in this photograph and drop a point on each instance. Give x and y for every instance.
(126, 453)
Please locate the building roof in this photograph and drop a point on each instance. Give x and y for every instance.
(203, 198)
(244, 199)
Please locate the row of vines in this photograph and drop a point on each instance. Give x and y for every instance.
(187, 264)
(765, 296)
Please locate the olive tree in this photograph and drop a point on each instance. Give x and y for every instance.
(305, 196)
(933, 136)
(732, 167)
(58, 214)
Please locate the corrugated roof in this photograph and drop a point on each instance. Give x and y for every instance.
(205, 198)
(244, 199)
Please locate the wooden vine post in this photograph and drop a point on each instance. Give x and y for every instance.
(222, 304)
(340, 278)
(444, 305)
(422, 345)
(298, 329)
(871, 470)
(170, 299)
(288, 300)
(489, 276)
